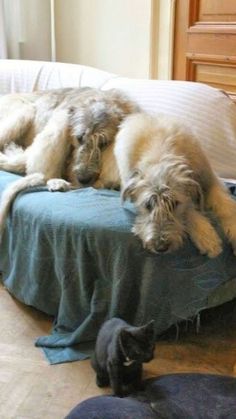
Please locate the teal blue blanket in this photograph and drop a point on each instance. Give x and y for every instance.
(72, 255)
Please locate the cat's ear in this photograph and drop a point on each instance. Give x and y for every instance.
(149, 328)
(125, 337)
(125, 334)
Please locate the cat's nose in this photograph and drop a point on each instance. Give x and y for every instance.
(148, 357)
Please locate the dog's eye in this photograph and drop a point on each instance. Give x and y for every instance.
(80, 139)
(148, 206)
(102, 142)
(151, 202)
(176, 204)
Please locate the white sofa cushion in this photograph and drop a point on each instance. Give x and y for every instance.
(208, 111)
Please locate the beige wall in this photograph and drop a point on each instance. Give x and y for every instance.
(113, 35)
(127, 37)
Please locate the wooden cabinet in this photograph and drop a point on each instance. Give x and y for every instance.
(205, 43)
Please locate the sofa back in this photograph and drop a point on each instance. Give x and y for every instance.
(28, 76)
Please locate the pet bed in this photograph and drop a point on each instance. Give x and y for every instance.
(173, 396)
(73, 256)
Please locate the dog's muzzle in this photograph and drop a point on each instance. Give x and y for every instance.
(158, 247)
(162, 248)
(86, 178)
(89, 167)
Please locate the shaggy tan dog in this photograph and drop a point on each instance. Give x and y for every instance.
(60, 137)
(165, 173)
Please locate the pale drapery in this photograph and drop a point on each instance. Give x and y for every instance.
(28, 29)
(3, 44)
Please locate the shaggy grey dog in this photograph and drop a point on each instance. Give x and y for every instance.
(165, 173)
(62, 138)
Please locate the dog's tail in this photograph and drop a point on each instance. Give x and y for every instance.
(10, 193)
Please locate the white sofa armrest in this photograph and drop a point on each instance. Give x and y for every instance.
(27, 76)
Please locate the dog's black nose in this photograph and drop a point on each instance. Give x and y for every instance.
(85, 180)
(162, 248)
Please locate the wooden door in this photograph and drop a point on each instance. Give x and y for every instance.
(205, 43)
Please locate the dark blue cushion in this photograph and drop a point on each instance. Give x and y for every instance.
(108, 407)
(173, 396)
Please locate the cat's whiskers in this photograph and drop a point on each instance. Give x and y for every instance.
(128, 360)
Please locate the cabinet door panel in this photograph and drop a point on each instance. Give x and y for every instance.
(205, 43)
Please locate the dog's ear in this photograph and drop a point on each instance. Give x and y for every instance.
(99, 113)
(196, 193)
(200, 197)
(108, 118)
(78, 121)
(131, 187)
(119, 113)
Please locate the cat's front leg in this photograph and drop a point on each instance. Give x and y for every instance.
(115, 375)
(137, 379)
(133, 378)
(102, 378)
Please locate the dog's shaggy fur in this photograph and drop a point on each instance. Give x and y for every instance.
(61, 137)
(165, 173)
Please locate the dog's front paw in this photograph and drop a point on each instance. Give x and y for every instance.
(214, 251)
(230, 231)
(3, 160)
(54, 185)
(233, 244)
(98, 184)
(210, 248)
(203, 234)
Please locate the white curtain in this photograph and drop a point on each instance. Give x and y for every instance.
(3, 44)
(28, 30)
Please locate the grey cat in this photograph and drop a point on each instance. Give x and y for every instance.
(120, 351)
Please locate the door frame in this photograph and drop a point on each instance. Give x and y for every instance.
(162, 39)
